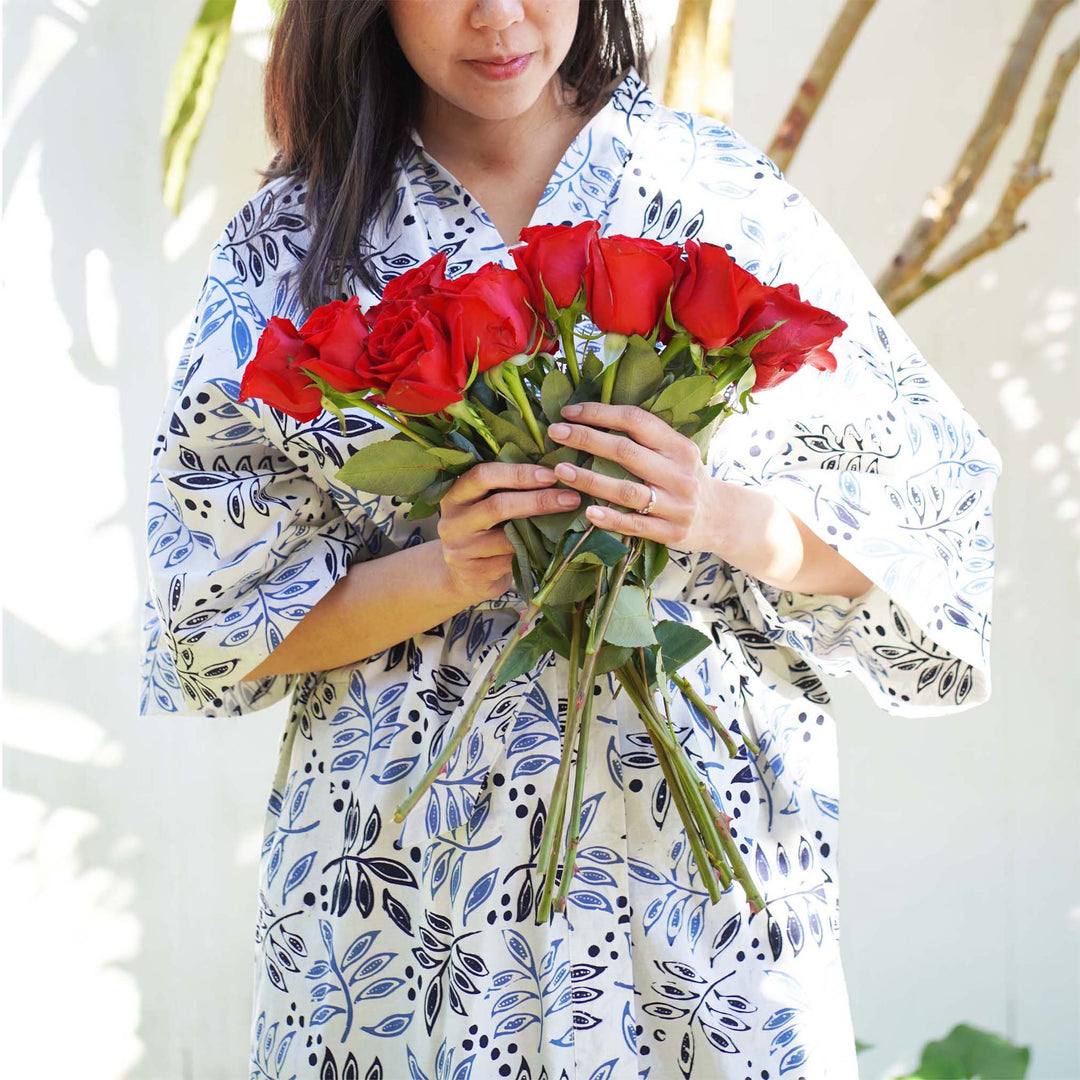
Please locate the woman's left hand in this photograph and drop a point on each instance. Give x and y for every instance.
(685, 513)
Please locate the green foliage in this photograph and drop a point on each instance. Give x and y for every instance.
(639, 373)
(191, 93)
(399, 467)
(967, 1053)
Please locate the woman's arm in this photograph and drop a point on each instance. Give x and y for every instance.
(380, 602)
(755, 533)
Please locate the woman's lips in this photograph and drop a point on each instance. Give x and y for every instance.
(515, 66)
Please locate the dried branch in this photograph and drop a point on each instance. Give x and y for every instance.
(817, 81)
(942, 208)
(699, 75)
(1025, 178)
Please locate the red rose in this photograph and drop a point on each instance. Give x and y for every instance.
(337, 332)
(803, 339)
(408, 357)
(627, 280)
(411, 285)
(274, 374)
(486, 311)
(705, 296)
(554, 255)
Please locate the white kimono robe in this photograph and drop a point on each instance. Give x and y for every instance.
(412, 949)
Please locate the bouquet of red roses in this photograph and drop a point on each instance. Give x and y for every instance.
(477, 368)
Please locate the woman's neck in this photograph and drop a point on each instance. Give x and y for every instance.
(522, 145)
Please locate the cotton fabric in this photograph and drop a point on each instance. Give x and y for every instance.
(410, 951)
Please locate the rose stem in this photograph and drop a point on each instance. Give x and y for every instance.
(708, 712)
(703, 859)
(583, 705)
(511, 378)
(692, 782)
(687, 792)
(386, 418)
(566, 335)
(579, 790)
(548, 860)
(524, 625)
(722, 823)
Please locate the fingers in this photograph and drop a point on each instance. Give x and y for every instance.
(623, 491)
(504, 505)
(663, 530)
(645, 428)
(489, 476)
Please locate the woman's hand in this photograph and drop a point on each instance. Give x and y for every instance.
(685, 514)
(477, 553)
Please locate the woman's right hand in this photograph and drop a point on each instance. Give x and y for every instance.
(477, 552)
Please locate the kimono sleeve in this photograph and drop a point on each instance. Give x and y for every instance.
(243, 537)
(882, 461)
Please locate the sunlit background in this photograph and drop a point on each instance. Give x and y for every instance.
(131, 843)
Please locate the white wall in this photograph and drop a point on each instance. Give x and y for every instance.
(132, 843)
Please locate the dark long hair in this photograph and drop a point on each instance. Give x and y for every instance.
(340, 98)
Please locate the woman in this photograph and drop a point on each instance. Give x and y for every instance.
(842, 526)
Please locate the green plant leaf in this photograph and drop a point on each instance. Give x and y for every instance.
(523, 575)
(563, 453)
(683, 398)
(555, 392)
(512, 453)
(576, 583)
(655, 557)
(503, 430)
(554, 525)
(190, 94)
(967, 1053)
(452, 458)
(639, 373)
(603, 547)
(525, 655)
(679, 643)
(391, 467)
(631, 623)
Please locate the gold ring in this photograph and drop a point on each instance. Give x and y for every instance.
(652, 501)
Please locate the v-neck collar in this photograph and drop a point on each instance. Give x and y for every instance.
(582, 185)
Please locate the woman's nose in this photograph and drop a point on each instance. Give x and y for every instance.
(497, 14)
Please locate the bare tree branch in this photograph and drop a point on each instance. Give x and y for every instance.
(687, 59)
(1025, 178)
(699, 76)
(817, 81)
(942, 208)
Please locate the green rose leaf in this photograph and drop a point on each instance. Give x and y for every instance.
(639, 373)
(631, 622)
(525, 656)
(683, 398)
(679, 643)
(391, 467)
(555, 392)
(602, 547)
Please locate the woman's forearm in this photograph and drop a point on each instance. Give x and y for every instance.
(378, 603)
(762, 537)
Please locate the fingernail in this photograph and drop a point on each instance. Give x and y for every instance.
(567, 498)
(571, 410)
(545, 476)
(559, 431)
(567, 472)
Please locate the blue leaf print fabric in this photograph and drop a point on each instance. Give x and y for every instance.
(410, 951)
